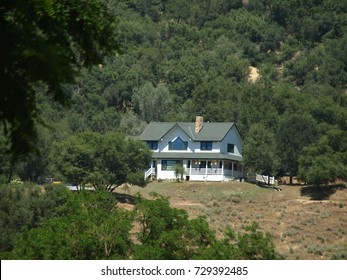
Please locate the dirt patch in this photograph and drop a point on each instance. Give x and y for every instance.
(126, 206)
(184, 203)
(253, 74)
(306, 201)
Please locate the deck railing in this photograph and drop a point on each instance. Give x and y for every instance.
(149, 172)
(203, 171)
(233, 173)
(214, 171)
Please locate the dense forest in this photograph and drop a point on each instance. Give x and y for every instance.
(276, 68)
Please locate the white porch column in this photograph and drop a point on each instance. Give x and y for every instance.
(223, 170)
(206, 170)
(232, 169)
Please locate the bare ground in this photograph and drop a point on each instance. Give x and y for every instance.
(305, 222)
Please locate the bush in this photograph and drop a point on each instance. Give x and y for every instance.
(25, 206)
(88, 225)
(167, 233)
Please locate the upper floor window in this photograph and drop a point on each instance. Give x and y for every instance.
(153, 145)
(206, 145)
(231, 148)
(178, 145)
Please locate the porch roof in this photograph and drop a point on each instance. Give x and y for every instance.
(213, 156)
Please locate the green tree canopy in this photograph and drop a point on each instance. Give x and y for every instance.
(88, 225)
(294, 133)
(105, 160)
(45, 42)
(259, 150)
(90, 228)
(151, 102)
(167, 233)
(319, 164)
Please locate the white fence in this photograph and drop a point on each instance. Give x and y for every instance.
(265, 179)
(262, 178)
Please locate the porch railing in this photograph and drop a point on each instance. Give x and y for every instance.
(203, 171)
(149, 172)
(233, 173)
(213, 171)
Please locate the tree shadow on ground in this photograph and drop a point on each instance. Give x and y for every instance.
(125, 198)
(321, 193)
(265, 186)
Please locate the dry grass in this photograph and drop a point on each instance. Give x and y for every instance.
(305, 223)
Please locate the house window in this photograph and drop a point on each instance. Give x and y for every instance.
(206, 145)
(178, 145)
(169, 164)
(153, 145)
(231, 148)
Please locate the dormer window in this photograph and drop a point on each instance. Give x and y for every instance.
(178, 145)
(231, 148)
(206, 146)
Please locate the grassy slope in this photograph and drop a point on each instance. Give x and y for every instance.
(305, 223)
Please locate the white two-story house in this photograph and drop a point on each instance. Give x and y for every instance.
(208, 151)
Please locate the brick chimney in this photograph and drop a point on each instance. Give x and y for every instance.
(199, 123)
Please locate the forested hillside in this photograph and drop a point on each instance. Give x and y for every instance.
(178, 59)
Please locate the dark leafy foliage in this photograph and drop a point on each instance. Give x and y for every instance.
(167, 233)
(88, 225)
(45, 42)
(103, 160)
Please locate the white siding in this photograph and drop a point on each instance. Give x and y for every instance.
(164, 174)
(163, 144)
(215, 147)
(232, 137)
(176, 132)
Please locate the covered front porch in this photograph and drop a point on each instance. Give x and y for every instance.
(213, 170)
(202, 167)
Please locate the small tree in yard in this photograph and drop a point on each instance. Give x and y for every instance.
(179, 172)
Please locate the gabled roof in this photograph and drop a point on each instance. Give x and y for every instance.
(209, 132)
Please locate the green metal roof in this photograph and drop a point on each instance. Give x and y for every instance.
(209, 132)
(168, 155)
(156, 130)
